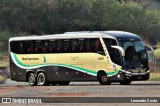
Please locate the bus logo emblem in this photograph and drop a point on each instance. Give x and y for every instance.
(100, 58)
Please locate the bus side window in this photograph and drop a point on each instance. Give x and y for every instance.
(76, 46)
(95, 46)
(47, 48)
(60, 46)
(26, 47)
(109, 42)
(92, 44)
(98, 47)
(80, 45)
(72, 45)
(84, 46)
(51, 46)
(39, 46)
(67, 46)
(15, 47)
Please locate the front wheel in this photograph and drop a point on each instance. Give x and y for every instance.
(103, 79)
(41, 79)
(32, 79)
(126, 82)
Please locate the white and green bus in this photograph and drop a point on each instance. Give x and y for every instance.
(104, 56)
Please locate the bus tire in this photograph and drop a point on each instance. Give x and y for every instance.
(32, 79)
(103, 79)
(41, 79)
(64, 83)
(126, 82)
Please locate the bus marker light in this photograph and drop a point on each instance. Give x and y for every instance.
(118, 76)
(66, 73)
(77, 73)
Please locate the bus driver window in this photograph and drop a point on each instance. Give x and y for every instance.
(98, 47)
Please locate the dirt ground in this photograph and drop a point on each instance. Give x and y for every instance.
(81, 89)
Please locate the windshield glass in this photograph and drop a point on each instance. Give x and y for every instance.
(139, 46)
(135, 54)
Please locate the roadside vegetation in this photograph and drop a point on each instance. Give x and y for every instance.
(155, 76)
(58, 16)
(157, 52)
(38, 17)
(2, 79)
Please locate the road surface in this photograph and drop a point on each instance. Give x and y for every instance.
(85, 89)
(81, 89)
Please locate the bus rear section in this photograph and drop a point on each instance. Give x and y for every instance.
(59, 61)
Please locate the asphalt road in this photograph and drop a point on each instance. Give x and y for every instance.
(84, 89)
(81, 89)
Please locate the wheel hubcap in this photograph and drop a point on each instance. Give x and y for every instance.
(41, 79)
(31, 79)
(104, 78)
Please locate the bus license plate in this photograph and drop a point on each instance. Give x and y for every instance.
(139, 77)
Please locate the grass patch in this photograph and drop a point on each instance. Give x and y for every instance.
(4, 64)
(4, 61)
(2, 79)
(154, 77)
(157, 53)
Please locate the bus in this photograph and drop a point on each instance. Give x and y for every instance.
(103, 56)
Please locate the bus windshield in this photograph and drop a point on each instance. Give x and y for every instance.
(135, 54)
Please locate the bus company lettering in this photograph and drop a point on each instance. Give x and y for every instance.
(29, 58)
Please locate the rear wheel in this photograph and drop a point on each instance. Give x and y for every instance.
(103, 79)
(31, 79)
(41, 79)
(126, 82)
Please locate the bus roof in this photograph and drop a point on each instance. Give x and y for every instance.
(122, 34)
(81, 34)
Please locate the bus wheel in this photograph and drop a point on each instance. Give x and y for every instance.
(64, 83)
(41, 79)
(103, 79)
(31, 79)
(126, 82)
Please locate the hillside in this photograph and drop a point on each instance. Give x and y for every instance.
(21, 17)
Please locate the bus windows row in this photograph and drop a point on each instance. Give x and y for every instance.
(57, 46)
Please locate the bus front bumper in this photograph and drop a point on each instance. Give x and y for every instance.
(137, 76)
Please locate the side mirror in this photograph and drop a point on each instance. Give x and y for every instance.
(155, 47)
(120, 49)
(149, 48)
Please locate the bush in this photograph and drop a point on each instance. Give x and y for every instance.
(58, 16)
(157, 52)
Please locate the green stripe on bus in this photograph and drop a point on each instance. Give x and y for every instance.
(15, 57)
(64, 65)
(112, 73)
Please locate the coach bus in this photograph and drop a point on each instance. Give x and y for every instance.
(104, 56)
